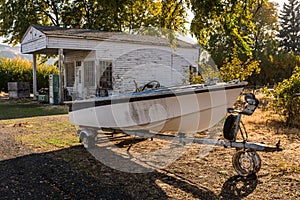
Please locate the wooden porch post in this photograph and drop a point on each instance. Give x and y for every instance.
(60, 66)
(34, 82)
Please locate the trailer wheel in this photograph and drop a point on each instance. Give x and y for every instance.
(246, 162)
(87, 139)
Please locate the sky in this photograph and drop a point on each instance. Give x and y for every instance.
(280, 2)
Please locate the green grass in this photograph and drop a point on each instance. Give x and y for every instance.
(14, 110)
(51, 139)
(45, 132)
(38, 125)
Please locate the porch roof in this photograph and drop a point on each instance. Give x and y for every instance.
(48, 39)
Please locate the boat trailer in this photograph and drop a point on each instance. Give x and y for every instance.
(245, 161)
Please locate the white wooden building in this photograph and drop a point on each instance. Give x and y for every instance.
(114, 61)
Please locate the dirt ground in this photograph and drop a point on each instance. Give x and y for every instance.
(27, 172)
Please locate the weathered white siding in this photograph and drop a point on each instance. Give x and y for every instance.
(79, 56)
(136, 63)
(32, 34)
(111, 50)
(33, 41)
(33, 47)
(144, 65)
(71, 43)
(189, 54)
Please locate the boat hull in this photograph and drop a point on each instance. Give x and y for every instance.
(181, 109)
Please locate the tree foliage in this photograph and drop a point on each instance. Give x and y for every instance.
(224, 23)
(290, 26)
(107, 15)
(265, 47)
(276, 64)
(17, 15)
(234, 31)
(275, 68)
(285, 102)
(234, 68)
(103, 15)
(265, 20)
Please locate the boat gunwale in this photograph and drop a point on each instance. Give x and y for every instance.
(154, 94)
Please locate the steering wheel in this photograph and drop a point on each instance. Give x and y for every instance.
(152, 85)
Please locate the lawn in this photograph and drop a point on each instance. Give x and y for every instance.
(14, 109)
(37, 125)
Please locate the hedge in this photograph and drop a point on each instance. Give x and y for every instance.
(18, 70)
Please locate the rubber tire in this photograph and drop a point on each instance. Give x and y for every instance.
(252, 157)
(88, 142)
(229, 127)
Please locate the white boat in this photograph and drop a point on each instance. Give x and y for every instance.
(185, 109)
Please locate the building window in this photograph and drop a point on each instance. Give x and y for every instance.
(89, 73)
(106, 80)
(192, 72)
(78, 70)
(79, 76)
(70, 74)
(78, 63)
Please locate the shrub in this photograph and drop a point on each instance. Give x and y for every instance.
(285, 101)
(237, 69)
(18, 70)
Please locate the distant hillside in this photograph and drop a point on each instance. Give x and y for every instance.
(12, 52)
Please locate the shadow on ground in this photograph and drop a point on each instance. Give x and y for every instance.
(65, 175)
(238, 187)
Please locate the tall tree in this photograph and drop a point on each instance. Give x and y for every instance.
(173, 14)
(108, 15)
(290, 26)
(266, 25)
(17, 15)
(225, 28)
(225, 23)
(265, 43)
(139, 15)
(103, 15)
